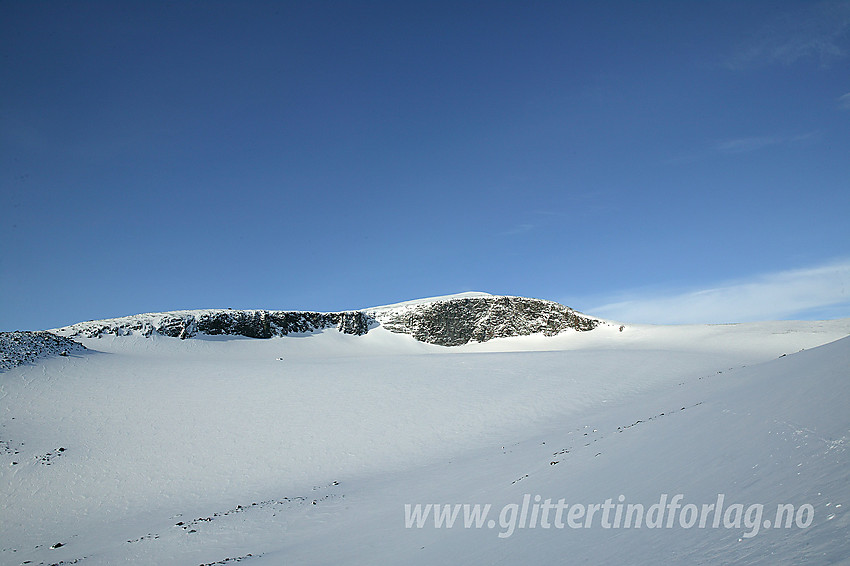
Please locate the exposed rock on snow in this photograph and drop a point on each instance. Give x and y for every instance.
(250, 323)
(18, 348)
(456, 321)
(446, 321)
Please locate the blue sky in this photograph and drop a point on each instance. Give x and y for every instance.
(619, 157)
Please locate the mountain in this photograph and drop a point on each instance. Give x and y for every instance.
(457, 320)
(447, 321)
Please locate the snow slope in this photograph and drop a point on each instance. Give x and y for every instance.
(305, 448)
(429, 300)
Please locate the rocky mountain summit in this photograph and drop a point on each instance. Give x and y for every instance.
(458, 320)
(446, 321)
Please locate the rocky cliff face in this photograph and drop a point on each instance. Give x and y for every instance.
(457, 321)
(250, 323)
(449, 321)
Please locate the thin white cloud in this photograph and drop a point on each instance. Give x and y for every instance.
(541, 219)
(520, 229)
(818, 31)
(823, 290)
(844, 101)
(755, 143)
(744, 145)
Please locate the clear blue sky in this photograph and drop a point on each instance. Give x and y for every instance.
(331, 155)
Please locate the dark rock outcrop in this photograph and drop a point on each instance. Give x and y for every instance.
(249, 323)
(457, 321)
